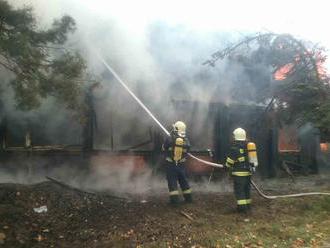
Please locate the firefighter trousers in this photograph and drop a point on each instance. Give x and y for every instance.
(242, 189)
(177, 174)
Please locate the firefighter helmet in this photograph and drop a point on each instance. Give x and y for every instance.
(239, 134)
(179, 128)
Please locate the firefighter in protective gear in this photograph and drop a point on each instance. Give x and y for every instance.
(176, 148)
(241, 161)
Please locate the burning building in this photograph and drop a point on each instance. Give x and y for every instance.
(112, 136)
(117, 130)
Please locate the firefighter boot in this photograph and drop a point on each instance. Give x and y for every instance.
(174, 200)
(242, 209)
(187, 198)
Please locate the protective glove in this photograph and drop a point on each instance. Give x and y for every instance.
(253, 169)
(225, 168)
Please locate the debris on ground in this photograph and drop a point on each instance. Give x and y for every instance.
(186, 215)
(77, 219)
(2, 238)
(42, 209)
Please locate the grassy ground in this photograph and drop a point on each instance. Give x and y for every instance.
(75, 219)
(284, 223)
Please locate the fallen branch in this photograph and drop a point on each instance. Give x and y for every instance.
(80, 190)
(287, 170)
(186, 215)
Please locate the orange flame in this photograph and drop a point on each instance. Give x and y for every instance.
(324, 147)
(282, 72)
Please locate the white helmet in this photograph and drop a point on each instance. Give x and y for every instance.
(239, 134)
(180, 128)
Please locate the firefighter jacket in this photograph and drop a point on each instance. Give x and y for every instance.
(237, 160)
(176, 149)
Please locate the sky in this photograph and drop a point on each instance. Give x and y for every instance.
(298, 17)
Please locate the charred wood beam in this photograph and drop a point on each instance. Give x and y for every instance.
(286, 168)
(306, 55)
(82, 191)
(139, 145)
(221, 54)
(268, 107)
(143, 143)
(43, 150)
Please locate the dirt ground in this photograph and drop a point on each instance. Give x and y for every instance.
(77, 219)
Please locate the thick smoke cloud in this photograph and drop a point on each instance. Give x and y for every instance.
(161, 62)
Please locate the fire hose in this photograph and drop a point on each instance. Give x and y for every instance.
(192, 156)
(284, 196)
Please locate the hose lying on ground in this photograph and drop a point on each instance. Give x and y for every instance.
(284, 196)
(192, 156)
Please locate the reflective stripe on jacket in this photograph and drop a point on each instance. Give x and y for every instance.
(237, 159)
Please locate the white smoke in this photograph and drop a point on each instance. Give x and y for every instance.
(158, 48)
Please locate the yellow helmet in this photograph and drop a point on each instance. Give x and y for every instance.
(180, 128)
(239, 134)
